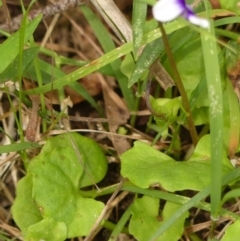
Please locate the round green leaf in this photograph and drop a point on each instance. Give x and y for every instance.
(56, 173)
(49, 194)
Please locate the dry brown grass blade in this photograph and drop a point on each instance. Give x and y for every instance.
(11, 230)
(114, 18)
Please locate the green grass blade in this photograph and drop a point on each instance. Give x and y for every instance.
(225, 21)
(9, 49)
(47, 71)
(120, 224)
(99, 29)
(211, 61)
(104, 60)
(18, 147)
(138, 20)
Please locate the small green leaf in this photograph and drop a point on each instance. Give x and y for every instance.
(232, 232)
(145, 219)
(47, 229)
(168, 108)
(128, 65)
(190, 63)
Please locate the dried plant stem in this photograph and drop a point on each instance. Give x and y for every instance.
(108, 205)
(180, 87)
(47, 11)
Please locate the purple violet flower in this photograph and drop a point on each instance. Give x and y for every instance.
(168, 10)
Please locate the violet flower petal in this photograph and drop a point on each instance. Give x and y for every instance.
(168, 10)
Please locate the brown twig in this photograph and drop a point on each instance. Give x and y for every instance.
(104, 211)
(47, 11)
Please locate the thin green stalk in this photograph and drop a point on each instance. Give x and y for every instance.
(111, 226)
(151, 117)
(20, 95)
(180, 87)
(20, 63)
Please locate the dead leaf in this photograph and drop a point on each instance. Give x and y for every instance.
(115, 110)
(89, 83)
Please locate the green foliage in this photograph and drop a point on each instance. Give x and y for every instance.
(52, 202)
(66, 163)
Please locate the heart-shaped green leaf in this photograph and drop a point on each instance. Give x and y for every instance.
(144, 166)
(50, 190)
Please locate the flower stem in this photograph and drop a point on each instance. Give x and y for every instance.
(180, 87)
